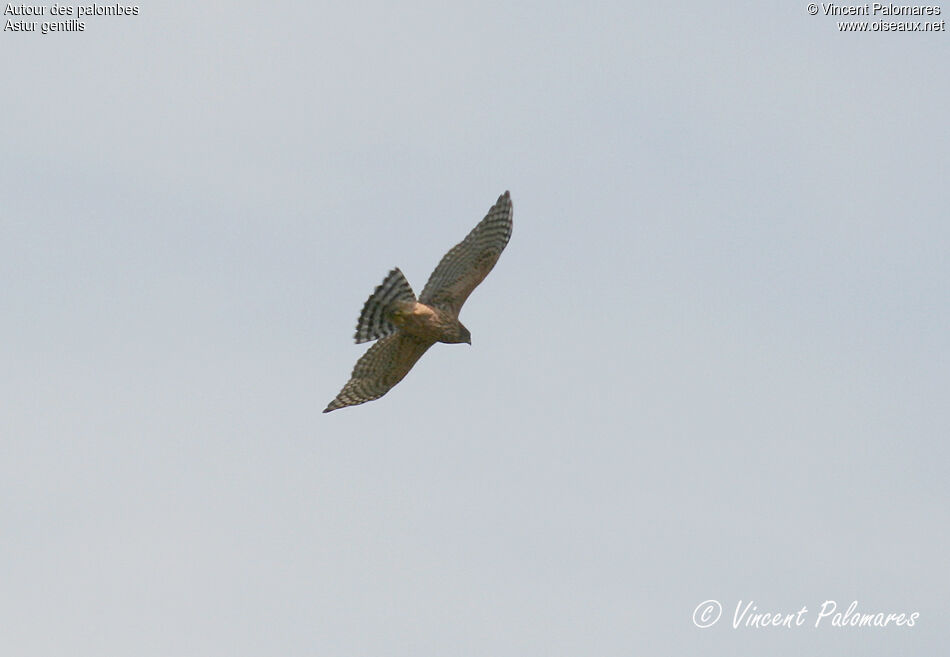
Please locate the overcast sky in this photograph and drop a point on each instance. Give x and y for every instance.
(712, 363)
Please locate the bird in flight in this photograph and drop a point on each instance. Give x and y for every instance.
(405, 326)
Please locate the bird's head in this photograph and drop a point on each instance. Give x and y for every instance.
(460, 335)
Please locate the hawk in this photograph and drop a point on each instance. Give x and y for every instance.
(405, 326)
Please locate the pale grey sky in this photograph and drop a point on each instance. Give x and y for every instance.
(711, 364)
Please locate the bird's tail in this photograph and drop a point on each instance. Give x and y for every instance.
(375, 319)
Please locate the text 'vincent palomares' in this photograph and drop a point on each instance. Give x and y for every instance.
(879, 9)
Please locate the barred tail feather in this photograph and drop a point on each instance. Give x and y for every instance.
(374, 320)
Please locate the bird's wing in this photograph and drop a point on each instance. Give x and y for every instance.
(469, 261)
(379, 369)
